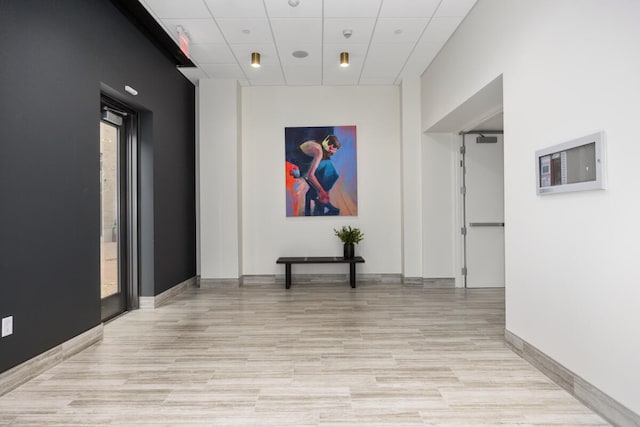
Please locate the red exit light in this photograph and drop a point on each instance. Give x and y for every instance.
(183, 43)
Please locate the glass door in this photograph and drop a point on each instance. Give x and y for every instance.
(109, 138)
(117, 203)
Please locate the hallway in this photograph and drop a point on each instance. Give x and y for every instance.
(316, 355)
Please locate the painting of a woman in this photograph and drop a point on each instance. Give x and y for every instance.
(317, 183)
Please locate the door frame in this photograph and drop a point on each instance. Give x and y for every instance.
(461, 274)
(479, 108)
(128, 236)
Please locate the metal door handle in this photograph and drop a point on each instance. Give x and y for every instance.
(486, 224)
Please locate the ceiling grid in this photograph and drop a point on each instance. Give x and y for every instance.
(389, 40)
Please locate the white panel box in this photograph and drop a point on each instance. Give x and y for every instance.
(575, 165)
(7, 326)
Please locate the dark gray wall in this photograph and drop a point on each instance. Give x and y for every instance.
(54, 58)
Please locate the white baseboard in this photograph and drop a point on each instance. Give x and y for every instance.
(219, 283)
(429, 282)
(361, 278)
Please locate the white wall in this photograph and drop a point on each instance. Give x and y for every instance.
(267, 232)
(219, 179)
(411, 180)
(439, 153)
(569, 68)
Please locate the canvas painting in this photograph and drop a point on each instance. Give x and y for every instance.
(320, 171)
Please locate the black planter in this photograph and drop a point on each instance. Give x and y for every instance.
(349, 250)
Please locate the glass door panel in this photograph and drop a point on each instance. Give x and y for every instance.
(109, 212)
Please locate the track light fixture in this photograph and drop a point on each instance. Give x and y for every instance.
(255, 59)
(344, 59)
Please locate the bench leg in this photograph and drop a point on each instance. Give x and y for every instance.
(352, 274)
(287, 276)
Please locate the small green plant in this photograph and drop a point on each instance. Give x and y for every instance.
(349, 234)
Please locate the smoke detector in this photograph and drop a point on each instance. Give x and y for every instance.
(294, 3)
(347, 33)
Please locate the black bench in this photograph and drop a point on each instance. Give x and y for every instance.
(287, 261)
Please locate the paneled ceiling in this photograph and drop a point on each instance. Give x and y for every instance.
(390, 39)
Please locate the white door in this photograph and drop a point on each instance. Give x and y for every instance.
(484, 210)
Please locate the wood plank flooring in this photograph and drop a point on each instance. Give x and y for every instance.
(315, 355)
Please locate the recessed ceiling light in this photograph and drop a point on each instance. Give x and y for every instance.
(300, 53)
(344, 59)
(255, 59)
(294, 3)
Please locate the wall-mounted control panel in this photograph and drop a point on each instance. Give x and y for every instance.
(575, 165)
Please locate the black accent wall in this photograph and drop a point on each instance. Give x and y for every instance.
(55, 59)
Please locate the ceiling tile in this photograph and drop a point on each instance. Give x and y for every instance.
(341, 80)
(455, 7)
(361, 28)
(375, 81)
(199, 30)
(268, 58)
(348, 75)
(420, 59)
(408, 8)
(386, 60)
(306, 9)
(333, 73)
(264, 73)
(440, 29)
(437, 33)
(265, 76)
(331, 54)
(236, 8)
(286, 49)
(351, 8)
(305, 31)
(177, 10)
(246, 30)
(398, 30)
(223, 71)
(214, 53)
(303, 75)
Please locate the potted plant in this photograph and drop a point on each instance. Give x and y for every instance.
(349, 236)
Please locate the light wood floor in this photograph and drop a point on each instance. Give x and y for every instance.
(316, 355)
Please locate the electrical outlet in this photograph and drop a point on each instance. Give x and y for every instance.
(7, 326)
